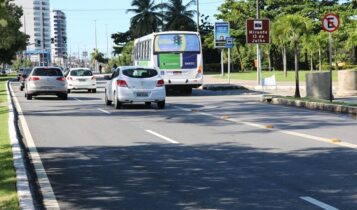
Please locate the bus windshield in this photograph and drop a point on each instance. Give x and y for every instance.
(176, 43)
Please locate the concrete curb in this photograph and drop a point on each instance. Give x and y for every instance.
(311, 105)
(216, 87)
(22, 181)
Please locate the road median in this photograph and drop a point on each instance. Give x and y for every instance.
(323, 105)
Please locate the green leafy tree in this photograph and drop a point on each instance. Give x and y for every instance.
(296, 28)
(147, 19)
(11, 39)
(178, 16)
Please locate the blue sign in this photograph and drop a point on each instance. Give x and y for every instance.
(229, 42)
(189, 60)
(221, 32)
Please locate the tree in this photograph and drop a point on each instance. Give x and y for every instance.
(98, 56)
(146, 19)
(179, 16)
(280, 38)
(321, 40)
(11, 39)
(121, 39)
(296, 28)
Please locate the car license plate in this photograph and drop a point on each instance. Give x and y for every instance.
(46, 87)
(82, 80)
(177, 72)
(142, 94)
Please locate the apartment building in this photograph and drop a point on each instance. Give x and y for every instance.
(58, 37)
(36, 23)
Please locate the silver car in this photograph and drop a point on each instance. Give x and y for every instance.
(46, 81)
(131, 84)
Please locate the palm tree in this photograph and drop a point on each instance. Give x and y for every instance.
(321, 39)
(146, 19)
(280, 38)
(179, 16)
(297, 27)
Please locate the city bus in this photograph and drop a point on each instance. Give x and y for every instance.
(177, 55)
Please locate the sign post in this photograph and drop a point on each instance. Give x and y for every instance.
(330, 23)
(257, 32)
(229, 45)
(221, 32)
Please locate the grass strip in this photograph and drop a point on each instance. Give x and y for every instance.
(8, 193)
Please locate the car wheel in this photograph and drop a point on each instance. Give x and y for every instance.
(107, 101)
(147, 104)
(117, 103)
(161, 105)
(89, 90)
(64, 96)
(29, 96)
(94, 90)
(69, 91)
(21, 88)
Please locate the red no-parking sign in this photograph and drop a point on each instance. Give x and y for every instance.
(330, 22)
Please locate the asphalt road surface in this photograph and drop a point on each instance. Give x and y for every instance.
(212, 150)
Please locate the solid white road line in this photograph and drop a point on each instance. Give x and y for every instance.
(162, 137)
(292, 133)
(49, 198)
(318, 203)
(22, 182)
(102, 110)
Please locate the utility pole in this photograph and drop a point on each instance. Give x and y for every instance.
(95, 33)
(198, 16)
(106, 31)
(258, 52)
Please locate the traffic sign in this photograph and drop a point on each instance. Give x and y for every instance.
(229, 42)
(330, 22)
(257, 31)
(221, 32)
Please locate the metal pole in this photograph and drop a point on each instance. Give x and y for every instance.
(106, 29)
(222, 65)
(229, 65)
(258, 52)
(330, 64)
(95, 33)
(198, 16)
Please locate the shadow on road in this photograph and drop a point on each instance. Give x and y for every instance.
(225, 176)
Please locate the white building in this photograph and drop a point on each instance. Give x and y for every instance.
(59, 37)
(36, 24)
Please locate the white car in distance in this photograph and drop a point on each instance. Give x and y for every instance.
(81, 79)
(132, 84)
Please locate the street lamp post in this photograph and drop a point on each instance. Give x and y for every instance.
(198, 16)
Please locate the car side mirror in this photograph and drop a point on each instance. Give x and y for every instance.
(107, 77)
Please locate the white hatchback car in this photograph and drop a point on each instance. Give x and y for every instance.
(132, 84)
(46, 81)
(81, 79)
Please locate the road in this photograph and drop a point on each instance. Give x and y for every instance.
(212, 150)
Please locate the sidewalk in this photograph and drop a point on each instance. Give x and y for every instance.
(282, 88)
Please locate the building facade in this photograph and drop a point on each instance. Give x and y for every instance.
(58, 37)
(36, 24)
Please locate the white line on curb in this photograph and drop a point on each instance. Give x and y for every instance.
(292, 133)
(49, 199)
(162, 137)
(318, 203)
(102, 110)
(22, 182)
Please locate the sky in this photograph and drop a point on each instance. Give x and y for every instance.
(110, 17)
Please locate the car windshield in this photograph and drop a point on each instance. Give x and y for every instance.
(47, 72)
(81, 73)
(140, 73)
